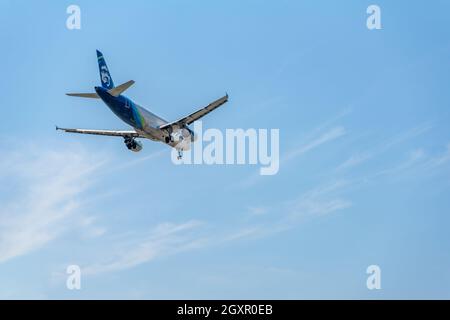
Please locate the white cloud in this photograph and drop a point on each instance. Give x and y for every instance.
(363, 156)
(317, 141)
(441, 159)
(258, 210)
(354, 160)
(47, 184)
(164, 239)
(168, 238)
(48, 202)
(417, 163)
(90, 228)
(319, 201)
(317, 138)
(316, 202)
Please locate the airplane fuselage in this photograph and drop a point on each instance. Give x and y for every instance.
(143, 121)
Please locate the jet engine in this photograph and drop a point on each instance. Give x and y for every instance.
(188, 133)
(133, 144)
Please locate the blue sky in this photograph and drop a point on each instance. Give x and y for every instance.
(364, 145)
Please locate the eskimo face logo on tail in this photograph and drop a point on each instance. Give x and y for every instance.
(106, 79)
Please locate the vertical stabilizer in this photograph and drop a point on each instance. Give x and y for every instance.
(105, 76)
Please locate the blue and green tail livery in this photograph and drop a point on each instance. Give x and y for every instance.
(105, 76)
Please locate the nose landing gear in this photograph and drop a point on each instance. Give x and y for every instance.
(180, 154)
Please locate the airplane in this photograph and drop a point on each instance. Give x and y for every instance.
(176, 134)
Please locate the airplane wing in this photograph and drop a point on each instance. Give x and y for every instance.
(114, 133)
(196, 115)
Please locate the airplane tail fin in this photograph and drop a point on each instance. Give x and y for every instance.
(105, 76)
(106, 80)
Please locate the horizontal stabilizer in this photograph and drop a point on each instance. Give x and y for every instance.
(84, 95)
(114, 91)
(119, 89)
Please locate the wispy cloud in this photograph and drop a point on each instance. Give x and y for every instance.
(418, 162)
(440, 160)
(45, 200)
(327, 136)
(360, 157)
(49, 202)
(314, 203)
(163, 240)
(320, 201)
(257, 210)
(139, 160)
(168, 238)
(319, 136)
(317, 202)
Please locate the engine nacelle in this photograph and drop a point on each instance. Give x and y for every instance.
(188, 133)
(136, 147)
(133, 145)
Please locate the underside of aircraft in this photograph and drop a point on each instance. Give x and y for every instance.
(145, 124)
